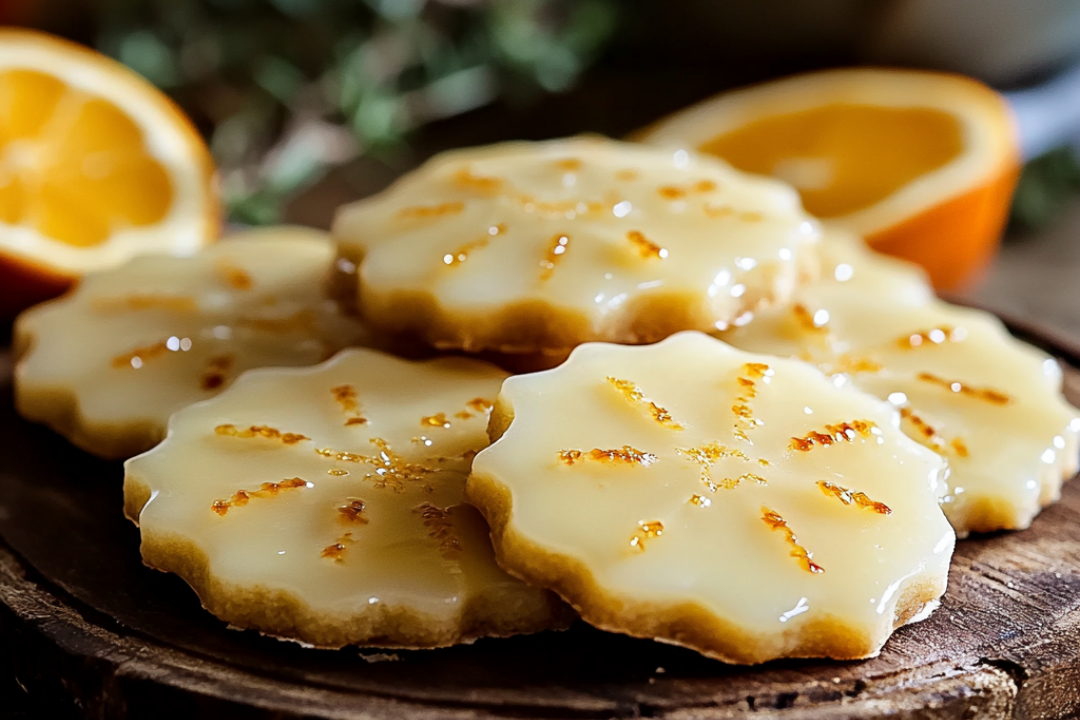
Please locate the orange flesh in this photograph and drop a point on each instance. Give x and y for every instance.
(72, 165)
(843, 157)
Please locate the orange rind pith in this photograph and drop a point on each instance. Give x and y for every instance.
(921, 164)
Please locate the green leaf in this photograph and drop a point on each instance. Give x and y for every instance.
(279, 78)
(147, 55)
(1046, 185)
(247, 70)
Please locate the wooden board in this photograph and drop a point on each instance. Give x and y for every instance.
(89, 630)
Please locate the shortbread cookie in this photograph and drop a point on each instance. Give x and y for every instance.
(326, 505)
(742, 505)
(108, 363)
(538, 247)
(965, 387)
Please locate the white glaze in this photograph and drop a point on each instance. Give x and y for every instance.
(1007, 457)
(475, 233)
(108, 363)
(715, 552)
(272, 563)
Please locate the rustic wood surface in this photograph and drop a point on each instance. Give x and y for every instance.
(90, 631)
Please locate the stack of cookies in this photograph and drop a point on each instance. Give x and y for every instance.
(742, 427)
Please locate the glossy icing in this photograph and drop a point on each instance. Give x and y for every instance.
(326, 504)
(526, 247)
(743, 505)
(108, 363)
(986, 401)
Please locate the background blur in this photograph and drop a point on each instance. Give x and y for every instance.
(311, 103)
(308, 104)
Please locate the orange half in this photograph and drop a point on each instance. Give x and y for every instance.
(921, 164)
(96, 165)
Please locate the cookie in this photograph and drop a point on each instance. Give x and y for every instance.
(966, 388)
(326, 505)
(537, 247)
(109, 362)
(745, 506)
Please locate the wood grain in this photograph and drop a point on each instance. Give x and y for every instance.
(88, 629)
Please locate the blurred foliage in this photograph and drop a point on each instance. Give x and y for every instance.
(1046, 185)
(286, 89)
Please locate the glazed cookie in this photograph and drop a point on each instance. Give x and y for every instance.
(742, 505)
(108, 363)
(965, 388)
(538, 247)
(326, 505)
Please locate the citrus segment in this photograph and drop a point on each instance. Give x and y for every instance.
(27, 99)
(95, 166)
(921, 164)
(824, 152)
(75, 165)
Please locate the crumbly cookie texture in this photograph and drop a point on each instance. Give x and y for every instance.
(989, 403)
(742, 505)
(538, 247)
(108, 363)
(326, 505)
